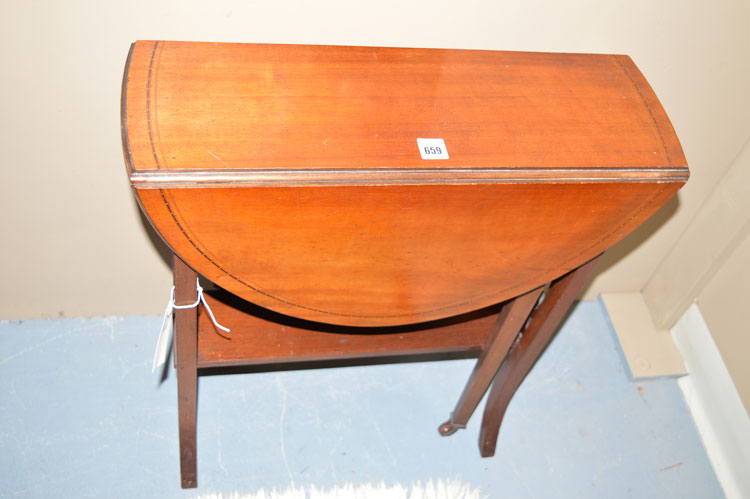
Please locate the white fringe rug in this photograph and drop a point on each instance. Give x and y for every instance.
(442, 489)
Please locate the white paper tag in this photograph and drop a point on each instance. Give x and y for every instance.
(432, 148)
(162, 344)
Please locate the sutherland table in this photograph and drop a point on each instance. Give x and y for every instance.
(362, 202)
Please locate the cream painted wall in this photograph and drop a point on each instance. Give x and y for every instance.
(710, 264)
(722, 222)
(73, 242)
(723, 302)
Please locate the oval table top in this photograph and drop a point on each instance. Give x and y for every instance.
(370, 186)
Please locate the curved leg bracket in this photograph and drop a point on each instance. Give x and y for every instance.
(519, 361)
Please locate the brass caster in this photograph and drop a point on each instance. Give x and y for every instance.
(448, 428)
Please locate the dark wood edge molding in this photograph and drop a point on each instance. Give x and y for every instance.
(167, 179)
(124, 115)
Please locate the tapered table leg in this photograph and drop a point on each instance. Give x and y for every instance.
(186, 351)
(526, 350)
(506, 328)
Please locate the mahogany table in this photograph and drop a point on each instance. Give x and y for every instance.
(368, 203)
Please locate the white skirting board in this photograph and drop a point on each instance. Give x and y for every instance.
(712, 398)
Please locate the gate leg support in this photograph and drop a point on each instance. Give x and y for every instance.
(186, 353)
(506, 328)
(526, 350)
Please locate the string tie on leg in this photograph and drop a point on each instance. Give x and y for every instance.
(162, 343)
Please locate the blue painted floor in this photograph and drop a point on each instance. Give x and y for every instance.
(81, 415)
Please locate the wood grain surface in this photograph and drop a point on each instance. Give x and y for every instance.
(208, 106)
(260, 337)
(290, 175)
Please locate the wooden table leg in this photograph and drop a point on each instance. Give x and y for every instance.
(526, 350)
(512, 317)
(186, 352)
